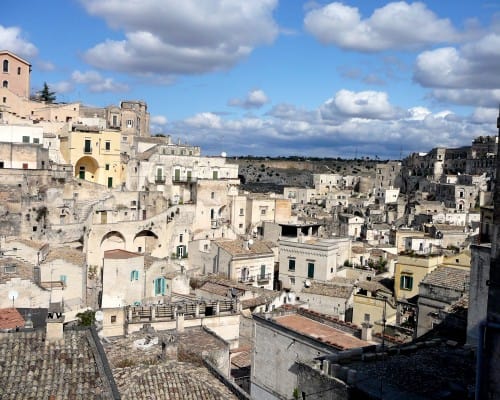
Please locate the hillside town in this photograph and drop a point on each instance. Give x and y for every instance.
(132, 266)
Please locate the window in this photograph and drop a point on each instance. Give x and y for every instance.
(26, 139)
(2, 165)
(87, 146)
(5, 84)
(4, 99)
(160, 286)
(19, 70)
(263, 211)
(130, 123)
(134, 275)
(241, 212)
(107, 145)
(310, 270)
(181, 251)
(406, 282)
(262, 271)
(292, 280)
(10, 269)
(5, 65)
(205, 247)
(291, 264)
(212, 195)
(25, 165)
(63, 279)
(106, 167)
(36, 140)
(239, 225)
(181, 238)
(113, 319)
(215, 175)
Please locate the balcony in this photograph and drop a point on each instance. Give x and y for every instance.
(183, 179)
(263, 278)
(160, 180)
(248, 280)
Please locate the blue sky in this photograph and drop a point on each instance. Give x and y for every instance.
(267, 77)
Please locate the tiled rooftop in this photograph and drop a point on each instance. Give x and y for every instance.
(331, 290)
(448, 277)
(10, 318)
(120, 254)
(33, 368)
(171, 380)
(238, 247)
(67, 254)
(319, 331)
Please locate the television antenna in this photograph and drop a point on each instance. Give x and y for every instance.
(13, 294)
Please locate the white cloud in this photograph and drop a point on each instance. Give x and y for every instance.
(204, 120)
(61, 87)
(97, 83)
(159, 120)
(167, 37)
(482, 115)
(45, 66)
(254, 99)
(397, 25)
(473, 66)
(10, 39)
(367, 104)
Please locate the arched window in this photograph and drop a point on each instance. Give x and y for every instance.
(5, 84)
(5, 65)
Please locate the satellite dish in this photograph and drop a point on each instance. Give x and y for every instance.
(307, 283)
(223, 154)
(99, 316)
(250, 241)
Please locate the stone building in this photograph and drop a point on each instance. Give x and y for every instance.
(15, 74)
(305, 259)
(283, 338)
(438, 290)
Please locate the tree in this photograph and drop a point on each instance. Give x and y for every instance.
(86, 318)
(46, 95)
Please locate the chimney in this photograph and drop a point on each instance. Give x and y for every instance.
(366, 329)
(180, 322)
(55, 328)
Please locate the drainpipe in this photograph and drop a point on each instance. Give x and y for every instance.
(483, 327)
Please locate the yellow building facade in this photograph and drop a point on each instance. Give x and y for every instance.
(95, 156)
(409, 272)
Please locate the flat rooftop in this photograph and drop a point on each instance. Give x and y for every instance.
(319, 331)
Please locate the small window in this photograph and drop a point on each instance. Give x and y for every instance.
(139, 249)
(19, 70)
(106, 167)
(2, 165)
(292, 280)
(107, 145)
(26, 139)
(5, 84)
(4, 99)
(113, 319)
(406, 282)
(36, 140)
(241, 212)
(25, 165)
(134, 275)
(291, 264)
(130, 123)
(310, 270)
(5, 65)
(181, 238)
(205, 247)
(212, 195)
(10, 269)
(240, 226)
(63, 279)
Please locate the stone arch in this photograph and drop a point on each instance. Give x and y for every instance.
(113, 240)
(87, 168)
(145, 241)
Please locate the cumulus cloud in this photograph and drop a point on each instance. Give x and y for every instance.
(170, 37)
(397, 25)
(254, 99)
(97, 83)
(11, 39)
(364, 123)
(366, 104)
(61, 87)
(472, 66)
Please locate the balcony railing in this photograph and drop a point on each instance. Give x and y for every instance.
(160, 180)
(183, 179)
(246, 279)
(261, 278)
